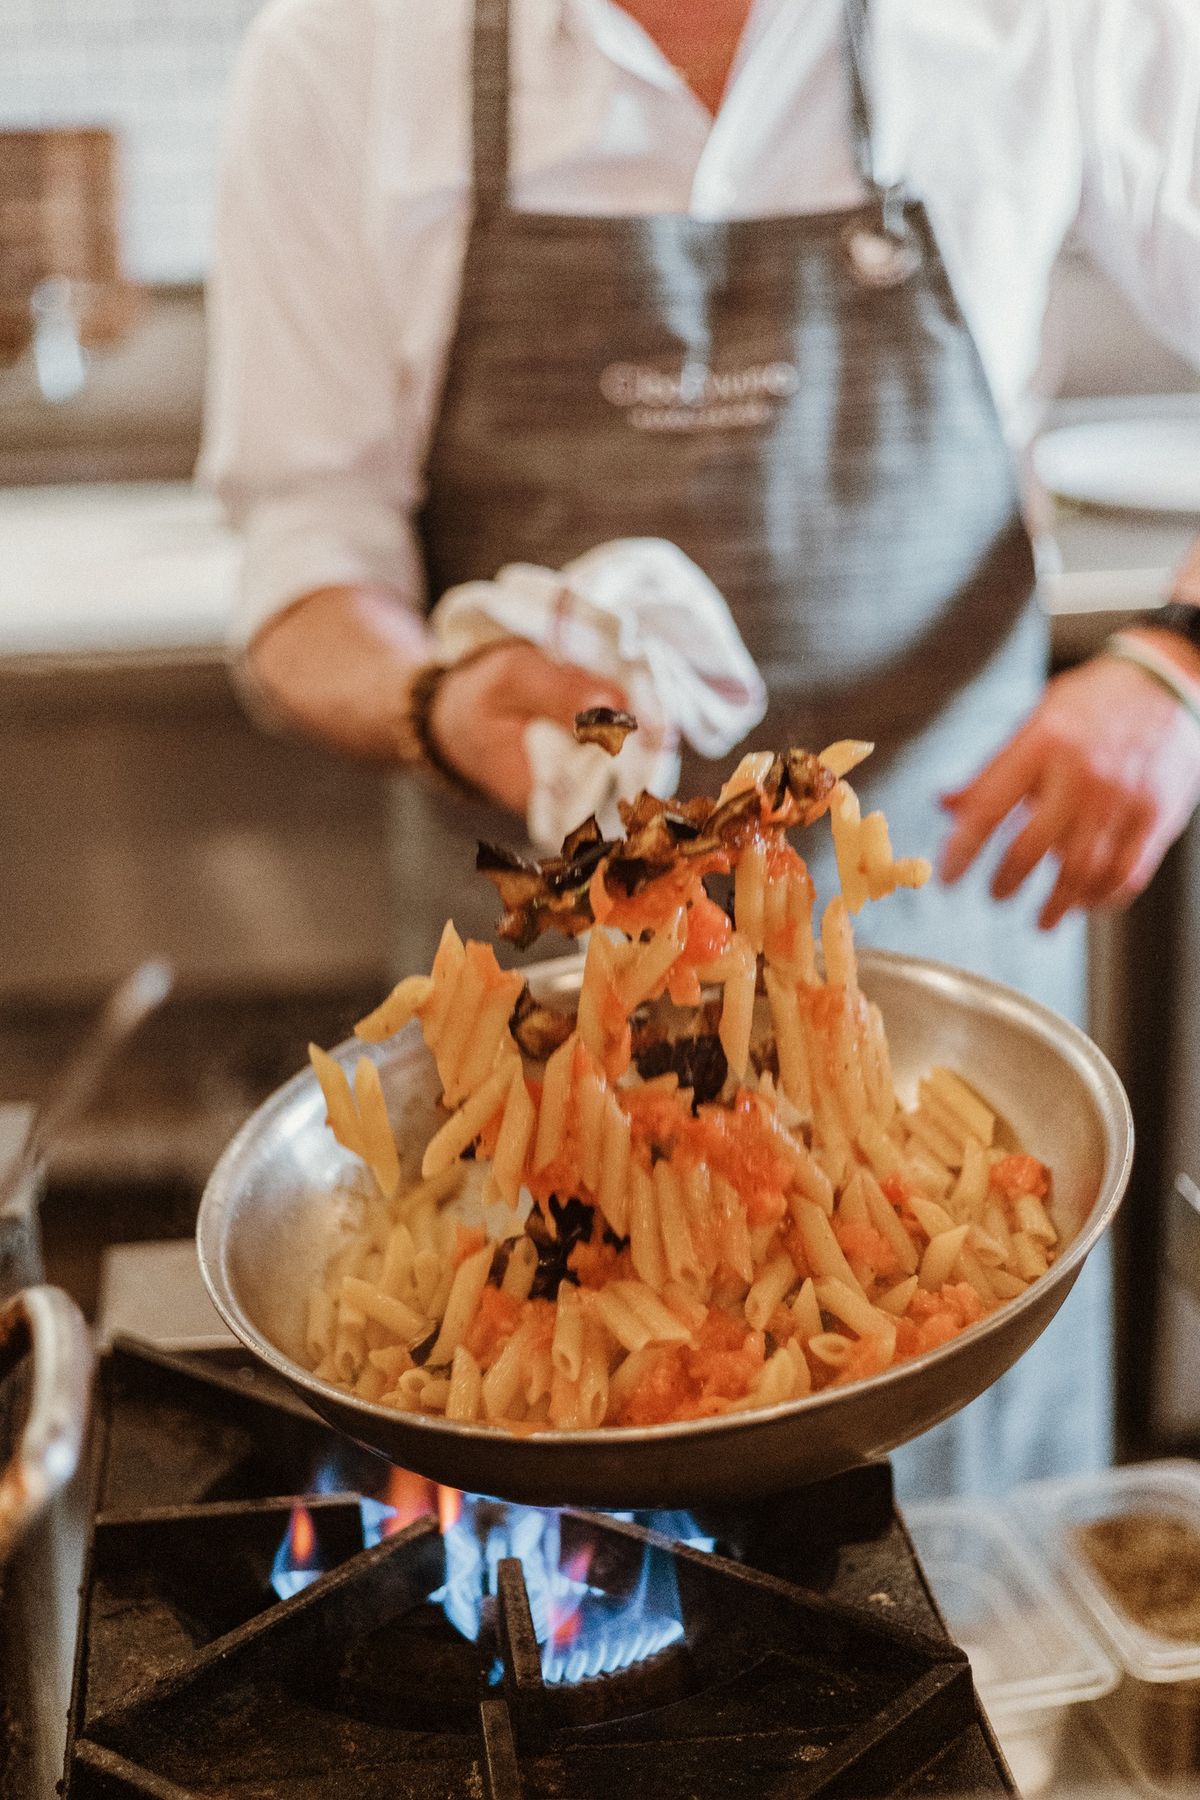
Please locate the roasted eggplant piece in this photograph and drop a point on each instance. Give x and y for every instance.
(735, 818)
(517, 881)
(570, 1223)
(647, 851)
(539, 897)
(699, 1062)
(810, 785)
(604, 725)
(585, 837)
(684, 819)
(539, 1030)
(554, 894)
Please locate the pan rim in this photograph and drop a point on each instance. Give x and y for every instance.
(1086, 1057)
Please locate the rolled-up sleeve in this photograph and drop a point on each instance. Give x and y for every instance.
(1139, 91)
(306, 438)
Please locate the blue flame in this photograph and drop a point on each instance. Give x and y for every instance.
(375, 1515)
(291, 1571)
(583, 1631)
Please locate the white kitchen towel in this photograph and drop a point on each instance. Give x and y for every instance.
(641, 613)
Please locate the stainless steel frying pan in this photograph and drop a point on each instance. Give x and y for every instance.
(270, 1219)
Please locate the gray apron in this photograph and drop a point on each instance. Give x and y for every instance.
(798, 404)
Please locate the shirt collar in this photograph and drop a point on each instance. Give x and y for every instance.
(619, 37)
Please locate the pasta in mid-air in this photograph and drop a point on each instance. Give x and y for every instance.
(695, 1191)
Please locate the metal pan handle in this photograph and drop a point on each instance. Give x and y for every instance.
(44, 1324)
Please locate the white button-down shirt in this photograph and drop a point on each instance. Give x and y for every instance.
(346, 206)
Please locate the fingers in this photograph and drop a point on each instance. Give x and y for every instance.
(1096, 840)
(533, 687)
(483, 706)
(1106, 861)
(1038, 838)
(1084, 876)
(1107, 867)
(1098, 852)
(1106, 778)
(493, 759)
(984, 803)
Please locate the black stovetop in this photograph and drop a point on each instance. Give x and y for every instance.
(808, 1657)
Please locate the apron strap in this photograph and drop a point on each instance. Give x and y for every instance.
(489, 106)
(858, 66)
(858, 70)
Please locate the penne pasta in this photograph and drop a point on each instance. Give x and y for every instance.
(405, 1000)
(448, 965)
(645, 1238)
(466, 1382)
(806, 1310)
(463, 1127)
(615, 1166)
(845, 755)
(941, 1254)
(777, 1279)
(897, 1300)
(592, 1387)
(749, 894)
(824, 1253)
(831, 1347)
(849, 1308)
(837, 943)
(404, 1322)
(795, 1070)
(704, 1193)
(518, 1276)
(978, 1120)
(679, 1252)
(566, 1349)
(377, 1145)
(465, 1289)
(737, 1010)
(501, 1386)
(552, 1111)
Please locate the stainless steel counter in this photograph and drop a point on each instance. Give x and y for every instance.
(141, 812)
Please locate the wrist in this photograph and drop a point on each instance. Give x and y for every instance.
(413, 740)
(421, 728)
(1163, 657)
(337, 666)
(1173, 631)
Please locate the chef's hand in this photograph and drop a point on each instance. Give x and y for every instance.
(482, 707)
(1106, 772)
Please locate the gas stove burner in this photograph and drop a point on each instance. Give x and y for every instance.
(501, 1652)
(584, 1625)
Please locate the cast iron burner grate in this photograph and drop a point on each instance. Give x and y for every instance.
(810, 1660)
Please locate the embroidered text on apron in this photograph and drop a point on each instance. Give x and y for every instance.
(797, 403)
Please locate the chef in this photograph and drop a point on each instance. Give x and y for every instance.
(498, 280)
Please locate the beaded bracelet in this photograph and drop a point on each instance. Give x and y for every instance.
(1160, 668)
(419, 740)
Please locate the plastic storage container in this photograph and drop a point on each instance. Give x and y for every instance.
(1032, 1656)
(1128, 1544)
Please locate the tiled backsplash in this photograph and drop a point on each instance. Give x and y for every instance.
(157, 71)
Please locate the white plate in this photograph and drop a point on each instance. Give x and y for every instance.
(1142, 464)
